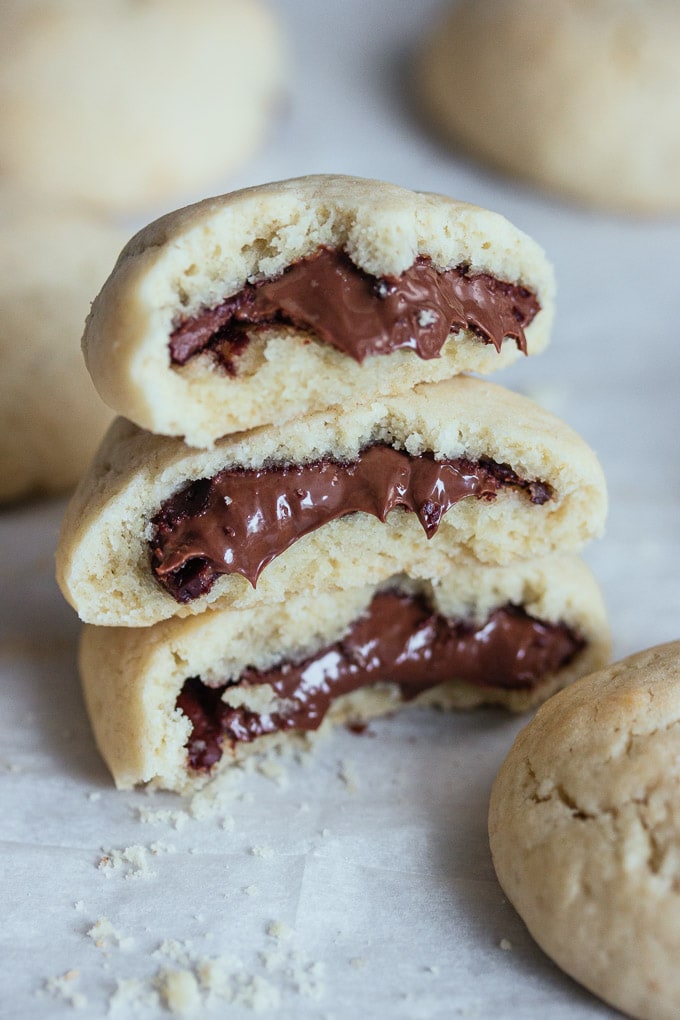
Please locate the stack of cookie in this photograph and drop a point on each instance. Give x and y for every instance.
(310, 514)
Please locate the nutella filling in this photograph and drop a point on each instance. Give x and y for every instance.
(399, 639)
(360, 314)
(240, 520)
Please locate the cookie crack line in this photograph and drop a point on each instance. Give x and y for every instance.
(657, 848)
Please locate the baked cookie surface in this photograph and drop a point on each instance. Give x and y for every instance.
(201, 83)
(52, 262)
(523, 485)
(281, 300)
(174, 703)
(578, 96)
(584, 826)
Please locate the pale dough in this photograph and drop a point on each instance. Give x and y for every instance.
(194, 258)
(132, 677)
(103, 557)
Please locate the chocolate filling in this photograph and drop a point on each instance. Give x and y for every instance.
(240, 520)
(360, 314)
(399, 639)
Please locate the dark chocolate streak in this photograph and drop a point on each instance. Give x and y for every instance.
(360, 314)
(239, 521)
(398, 639)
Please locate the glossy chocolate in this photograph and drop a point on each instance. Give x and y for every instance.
(239, 521)
(360, 314)
(399, 639)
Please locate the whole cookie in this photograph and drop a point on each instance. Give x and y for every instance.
(580, 96)
(584, 827)
(124, 103)
(52, 261)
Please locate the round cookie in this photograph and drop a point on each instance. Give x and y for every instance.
(52, 261)
(579, 96)
(125, 103)
(584, 826)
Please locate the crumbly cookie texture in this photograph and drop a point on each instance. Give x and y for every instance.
(579, 97)
(103, 560)
(584, 826)
(53, 259)
(202, 82)
(132, 677)
(194, 258)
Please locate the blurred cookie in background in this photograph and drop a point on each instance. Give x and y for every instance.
(123, 103)
(52, 263)
(578, 96)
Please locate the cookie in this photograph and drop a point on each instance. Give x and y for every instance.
(584, 826)
(126, 104)
(582, 98)
(174, 703)
(52, 262)
(331, 501)
(285, 299)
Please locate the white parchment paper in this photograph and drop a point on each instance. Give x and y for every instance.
(358, 882)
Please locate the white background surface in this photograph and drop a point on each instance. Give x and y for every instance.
(376, 851)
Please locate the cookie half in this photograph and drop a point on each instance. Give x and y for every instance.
(581, 98)
(176, 703)
(584, 826)
(461, 468)
(126, 105)
(281, 300)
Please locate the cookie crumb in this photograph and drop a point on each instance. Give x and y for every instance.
(105, 936)
(262, 851)
(131, 862)
(505, 944)
(427, 317)
(61, 988)
(132, 993)
(178, 990)
(163, 816)
(279, 930)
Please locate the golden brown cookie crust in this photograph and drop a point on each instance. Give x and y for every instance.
(584, 826)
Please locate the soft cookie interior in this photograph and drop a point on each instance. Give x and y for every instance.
(475, 471)
(280, 300)
(178, 701)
